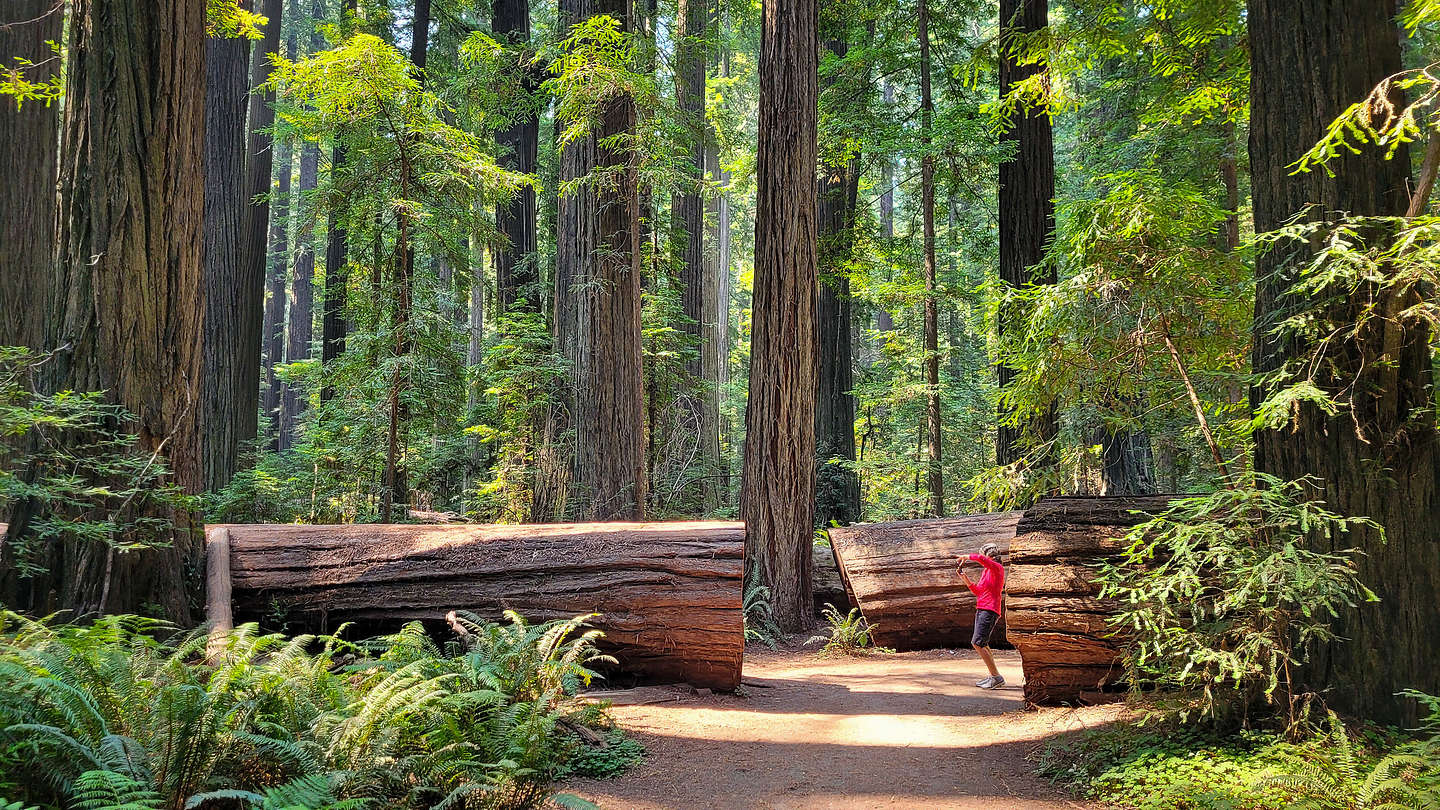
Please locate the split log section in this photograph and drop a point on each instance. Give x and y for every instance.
(669, 594)
(1056, 619)
(902, 576)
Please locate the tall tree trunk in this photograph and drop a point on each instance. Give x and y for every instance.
(1230, 181)
(395, 497)
(884, 321)
(837, 496)
(1380, 457)
(28, 144)
(300, 329)
(333, 326)
(517, 276)
(934, 476)
(1127, 463)
(715, 330)
(687, 232)
(598, 306)
(129, 296)
(226, 208)
(249, 298)
(777, 497)
(273, 326)
(1027, 213)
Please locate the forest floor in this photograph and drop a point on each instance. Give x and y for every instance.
(906, 730)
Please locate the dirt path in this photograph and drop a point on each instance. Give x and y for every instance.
(898, 731)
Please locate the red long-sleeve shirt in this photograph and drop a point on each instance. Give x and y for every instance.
(987, 590)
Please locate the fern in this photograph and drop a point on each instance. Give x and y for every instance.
(849, 634)
(107, 790)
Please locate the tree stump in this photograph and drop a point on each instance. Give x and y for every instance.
(669, 594)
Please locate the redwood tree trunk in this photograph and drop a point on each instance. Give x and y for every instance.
(837, 495)
(934, 476)
(777, 498)
(301, 318)
(273, 328)
(130, 291)
(598, 307)
(687, 228)
(1027, 208)
(226, 209)
(248, 300)
(1378, 458)
(516, 272)
(28, 157)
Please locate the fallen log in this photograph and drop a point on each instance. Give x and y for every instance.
(668, 594)
(1056, 619)
(902, 576)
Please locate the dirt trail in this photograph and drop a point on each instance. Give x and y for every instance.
(897, 731)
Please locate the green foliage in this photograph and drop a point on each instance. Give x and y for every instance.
(759, 614)
(73, 458)
(1340, 776)
(1223, 595)
(127, 712)
(617, 754)
(1182, 767)
(1171, 768)
(849, 634)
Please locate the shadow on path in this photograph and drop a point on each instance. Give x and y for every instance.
(902, 731)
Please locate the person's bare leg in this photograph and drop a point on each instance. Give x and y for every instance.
(989, 661)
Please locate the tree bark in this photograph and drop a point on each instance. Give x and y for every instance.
(1052, 606)
(28, 147)
(902, 576)
(249, 299)
(333, 326)
(598, 306)
(837, 495)
(129, 297)
(715, 329)
(777, 498)
(300, 329)
(517, 276)
(668, 594)
(1380, 457)
(934, 474)
(226, 210)
(687, 233)
(273, 328)
(1027, 213)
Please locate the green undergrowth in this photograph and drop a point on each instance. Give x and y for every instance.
(128, 712)
(1178, 767)
(619, 753)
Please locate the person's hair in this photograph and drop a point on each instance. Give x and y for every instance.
(992, 551)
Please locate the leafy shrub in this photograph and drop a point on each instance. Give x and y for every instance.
(1222, 595)
(128, 712)
(849, 634)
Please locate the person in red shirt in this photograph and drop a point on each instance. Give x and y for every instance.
(988, 596)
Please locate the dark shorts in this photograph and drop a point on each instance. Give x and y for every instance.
(984, 623)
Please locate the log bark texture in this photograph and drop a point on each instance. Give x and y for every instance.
(1055, 616)
(669, 594)
(902, 576)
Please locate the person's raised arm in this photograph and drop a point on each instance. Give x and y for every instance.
(990, 565)
(960, 568)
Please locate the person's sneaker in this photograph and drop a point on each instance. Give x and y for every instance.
(994, 683)
(986, 683)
